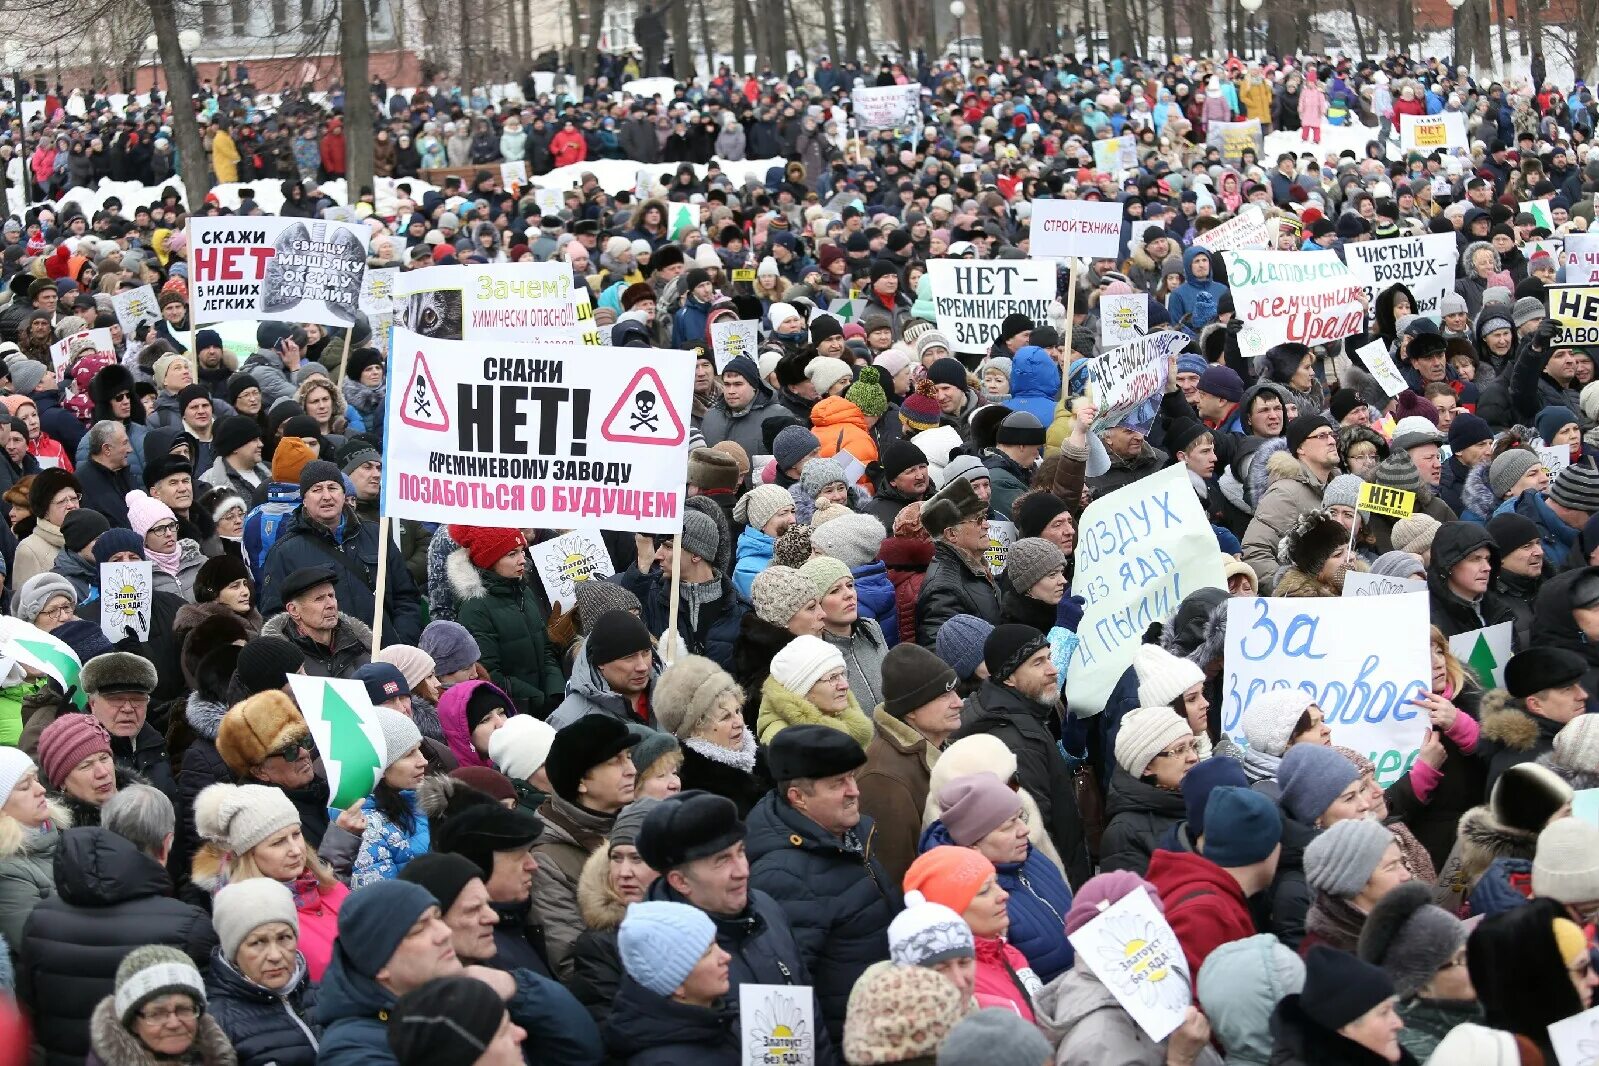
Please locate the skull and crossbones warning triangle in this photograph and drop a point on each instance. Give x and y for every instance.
(644, 414)
(424, 406)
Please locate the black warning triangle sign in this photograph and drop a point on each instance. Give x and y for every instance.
(644, 414)
(424, 405)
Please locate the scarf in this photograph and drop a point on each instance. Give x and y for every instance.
(307, 890)
(1259, 766)
(743, 759)
(781, 708)
(167, 562)
(697, 595)
(364, 398)
(1335, 921)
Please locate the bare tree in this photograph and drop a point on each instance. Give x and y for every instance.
(355, 58)
(180, 88)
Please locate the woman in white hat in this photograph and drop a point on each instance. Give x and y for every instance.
(258, 985)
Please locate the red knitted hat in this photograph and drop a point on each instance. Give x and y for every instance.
(486, 545)
(67, 741)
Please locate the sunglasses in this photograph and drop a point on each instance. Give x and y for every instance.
(291, 751)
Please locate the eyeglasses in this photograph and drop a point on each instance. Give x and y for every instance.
(1322, 434)
(161, 529)
(1179, 751)
(291, 751)
(59, 610)
(183, 1012)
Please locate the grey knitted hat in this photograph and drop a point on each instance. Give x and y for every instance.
(700, 536)
(1341, 860)
(1030, 560)
(1399, 564)
(852, 539)
(1577, 487)
(778, 593)
(1310, 778)
(1342, 491)
(594, 598)
(1410, 937)
(1509, 468)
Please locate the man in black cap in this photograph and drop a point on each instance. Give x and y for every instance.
(1018, 442)
(614, 674)
(75, 561)
(694, 841)
(827, 333)
(322, 531)
(1544, 689)
(902, 480)
(1521, 568)
(810, 849)
(238, 466)
(591, 771)
(334, 644)
(1018, 703)
(1313, 445)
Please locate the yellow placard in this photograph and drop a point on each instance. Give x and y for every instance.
(1380, 499)
(1432, 135)
(744, 274)
(1575, 310)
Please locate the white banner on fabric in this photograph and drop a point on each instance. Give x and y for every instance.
(1140, 550)
(1425, 265)
(276, 269)
(61, 350)
(886, 107)
(534, 303)
(1307, 297)
(1131, 379)
(555, 436)
(1357, 584)
(1088, 228)
(1579, 258)
(972, 297)
(1362, 660)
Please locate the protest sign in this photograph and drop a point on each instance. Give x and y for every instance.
(1123, 319)
(1247, 229)
(1575, 311)
(1555, 459)
(534, 303)
(26, 643)
(1485, 652)
(1306, 297)
(1429, 133)
(344, 725)
(1359, 584)
(277, 269)
(1585, 805)
(731, 338)
(1234, 137)
(1362, 661)
(1131, 379)
(971, 297)
(1380, 499)
(1576, 1039)
(886, 107)
(513, 173)
(377, 290)
(1381, 364)
(1001, 535)
(777, 1025)
(61, 350)
(133, 307)
(126, 593)
(564, 561)
(1116, 155)
(1140, 550)
(1133, 951)
(1579, 258)
(513, 435)
(1087, 228)
(550, 201)
(1539, 210)
(1425, 265)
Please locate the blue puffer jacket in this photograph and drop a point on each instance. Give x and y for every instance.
(1039, 900)
(352, 1009)
(263, 1027)
(1034, 384)
(1195, 298)
(874, 599)
(754, 554)
(838, 901)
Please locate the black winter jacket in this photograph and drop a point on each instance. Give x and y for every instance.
(110, 898)
(717, 631)
(1450, 613)
(646, 1029)
(265, 1028)
(952, 587)
(838, 900)
(354, 558)
(1138, 814)
(1021, 725)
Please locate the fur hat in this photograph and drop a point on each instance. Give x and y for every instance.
(1410, 937)
(687, 693)
(118, 671)
(1313, 539)
(954, 503)
(254, 728)
(1526, 796)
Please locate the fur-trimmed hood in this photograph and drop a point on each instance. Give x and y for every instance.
(1483, 838)
(1506, 721)
(113, 1045)
(203, 715)
(602, 909)
(14, 839)
(440, 796)
(1271, 462)
(1476, 494)
(278, 626)
(466, 580)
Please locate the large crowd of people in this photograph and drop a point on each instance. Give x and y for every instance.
(858, 775)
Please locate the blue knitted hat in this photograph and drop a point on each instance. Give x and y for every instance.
(375, 919)
(960, 643)
(661, 943)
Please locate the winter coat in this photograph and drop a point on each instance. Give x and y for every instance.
(265, 1027)
(503, 616)
(1204, 905)
(596, 961)
(1293, 490)
(905, 561)
(202, 767)
(1552, 621)
(110, 898)
(864, 651)
(587, 692)
(352, 551)
(1020, 724)
(350, 650)
(647, 1029)
(1124, 471)
(352, 1009)
(1428, 1021)
(885, 506)
(712, 634)
(112, 1044)
(1195, 298)
(386, 846)
(836, 895)
(1511, 734)
(713, 769)
(952, 586)
(753, 554)
(36, 553)
(1298, 1041)
(571, 835)
(1560, 543)
(742, 427)
(781, 708)
(1462, 786)
(1007, 480)
(278, 382)
(1137, 815)
(1088, 1027)
(1312, 105)
(1239, 996)
(841, 427)
(27, 875)
(894, 786)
